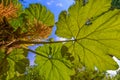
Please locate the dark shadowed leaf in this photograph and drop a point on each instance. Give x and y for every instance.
(115, 4)
(15, 62)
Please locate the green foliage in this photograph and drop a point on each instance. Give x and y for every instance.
(95, 31)
(92, 30)
(31, 74)
(32, 16)
(53, 66)
(36, 12)
(6, 2)
(17, 22)
(91, 75)
(14, 29)
(115, 4)
(16, 61)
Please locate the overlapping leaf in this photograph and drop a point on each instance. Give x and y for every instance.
(95, 28)
(53, 66)
(19, 23)
(39, 13)
(35, 21)
(115, 4)
(15, 62)
(39, 20)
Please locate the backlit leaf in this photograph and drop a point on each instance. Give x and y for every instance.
(40, 20)
(95, 28)
(53, 66)
(39, 13)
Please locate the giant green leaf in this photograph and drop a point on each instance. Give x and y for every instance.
(95, 30)
(39, 13)
(52, 65)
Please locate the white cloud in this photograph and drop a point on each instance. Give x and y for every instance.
(59, 4)
(50, 2)
(60, 39)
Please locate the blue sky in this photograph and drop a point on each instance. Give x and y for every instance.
(55, 6)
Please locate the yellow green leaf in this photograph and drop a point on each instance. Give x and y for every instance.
(95, 29)
(53, 66)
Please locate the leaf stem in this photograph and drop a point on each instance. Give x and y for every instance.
(35, 52)
(41, 42)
